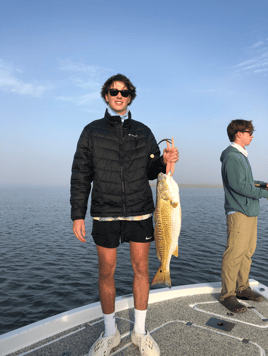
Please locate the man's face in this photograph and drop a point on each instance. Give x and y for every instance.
(246, 138)
(118, 103)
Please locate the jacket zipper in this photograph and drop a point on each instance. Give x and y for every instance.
(121, 168)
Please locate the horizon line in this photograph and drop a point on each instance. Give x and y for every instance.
(152, 184)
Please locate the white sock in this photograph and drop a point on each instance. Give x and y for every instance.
(109, 324)
(139, 317)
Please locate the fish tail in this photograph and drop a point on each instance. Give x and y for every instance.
(162, 277)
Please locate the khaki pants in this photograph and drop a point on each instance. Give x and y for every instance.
(236, 260)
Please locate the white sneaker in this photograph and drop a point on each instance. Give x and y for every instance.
(103, 345)
(147, 345)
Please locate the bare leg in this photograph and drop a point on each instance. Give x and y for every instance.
(108, 340)
(139, 254)
(107, 264)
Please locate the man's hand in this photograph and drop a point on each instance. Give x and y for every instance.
(170, 157)
(262, 186)
(79, 229)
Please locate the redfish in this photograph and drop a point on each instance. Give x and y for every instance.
(167, 218)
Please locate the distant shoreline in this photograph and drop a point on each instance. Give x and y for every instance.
(217, 186)
(193, 185)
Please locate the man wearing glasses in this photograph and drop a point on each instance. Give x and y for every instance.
(242, 208)
(119, 155)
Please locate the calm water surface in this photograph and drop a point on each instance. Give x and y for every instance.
(45, 270)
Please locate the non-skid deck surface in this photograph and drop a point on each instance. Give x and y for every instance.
(190, 326)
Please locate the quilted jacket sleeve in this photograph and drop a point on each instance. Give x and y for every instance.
(82, 176)
(155, 164)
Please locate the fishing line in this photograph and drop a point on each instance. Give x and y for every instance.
(165, 139)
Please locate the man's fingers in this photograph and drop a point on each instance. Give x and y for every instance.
(83, 231)
(170, 168)
(79, 236)
(81, 239)
(173, 157)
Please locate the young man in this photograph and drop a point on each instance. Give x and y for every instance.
(119, 155)
(242, 208)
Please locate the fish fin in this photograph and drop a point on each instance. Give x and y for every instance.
(176, 251)
(162, 277)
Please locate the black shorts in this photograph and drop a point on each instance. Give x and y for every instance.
(108, 233)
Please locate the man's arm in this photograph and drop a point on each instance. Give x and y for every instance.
(82, 176)
(261, 185)
(235, 173)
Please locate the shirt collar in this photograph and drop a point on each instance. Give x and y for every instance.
(123, 117)
(240, 149)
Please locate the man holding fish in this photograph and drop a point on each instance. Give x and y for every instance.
(119, 156)
(242, 195)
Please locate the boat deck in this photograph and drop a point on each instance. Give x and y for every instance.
(187, 320)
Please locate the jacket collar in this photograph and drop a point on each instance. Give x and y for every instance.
(116, 120)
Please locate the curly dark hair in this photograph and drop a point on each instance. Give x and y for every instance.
(238, 125)
(118, 78)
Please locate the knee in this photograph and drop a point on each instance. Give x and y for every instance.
(140, 267)
(106, 271)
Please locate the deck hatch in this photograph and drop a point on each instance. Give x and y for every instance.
(220, 324)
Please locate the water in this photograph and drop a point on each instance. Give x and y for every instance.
(45, 270)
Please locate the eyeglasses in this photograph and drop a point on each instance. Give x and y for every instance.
(125, 93)
(250, 132)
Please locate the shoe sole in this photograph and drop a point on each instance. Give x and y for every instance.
(243, 297)
(239, 309)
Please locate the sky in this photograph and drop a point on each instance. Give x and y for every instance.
(196, 64)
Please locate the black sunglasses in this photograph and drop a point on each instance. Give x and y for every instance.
(125, 93)
(250, 132)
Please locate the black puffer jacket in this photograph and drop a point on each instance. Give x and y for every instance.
(116, 158)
